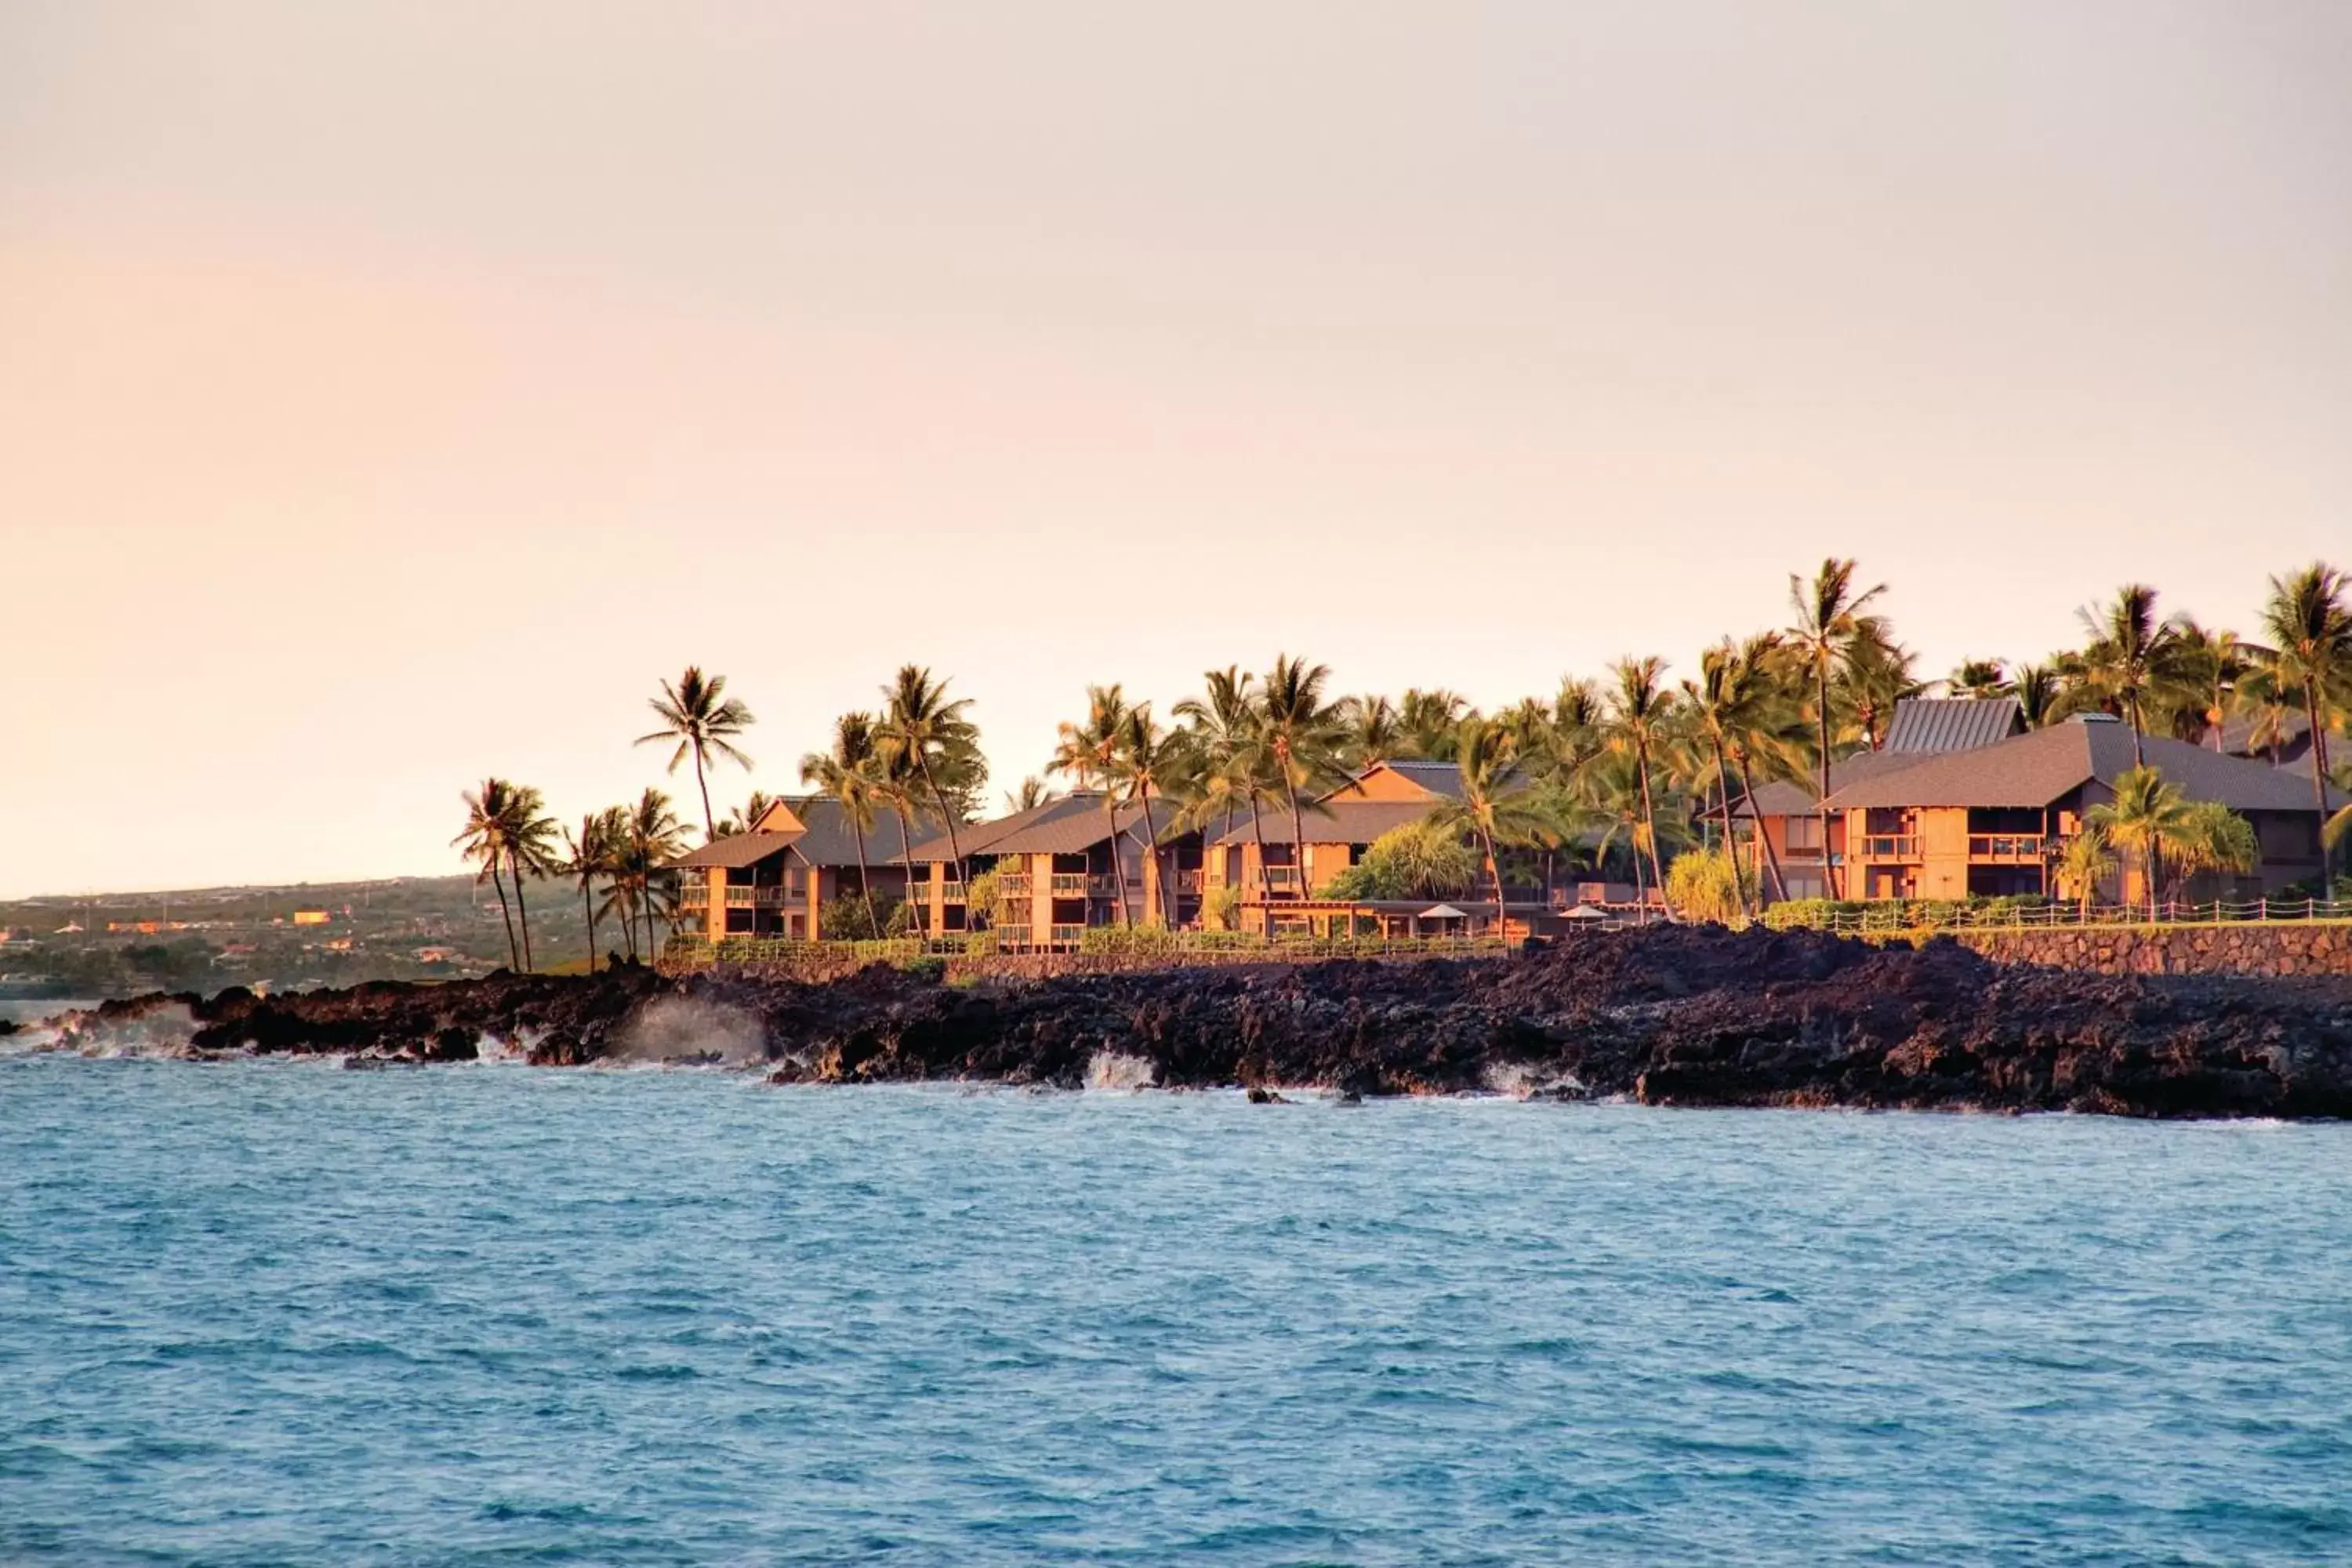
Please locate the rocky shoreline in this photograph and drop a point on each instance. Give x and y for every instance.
(1694, 1017)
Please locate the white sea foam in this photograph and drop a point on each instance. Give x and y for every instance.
(671, 1029)
(1121, 1072)
(1522, 1081)
(162, 1032)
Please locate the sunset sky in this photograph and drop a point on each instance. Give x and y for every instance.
(391, 394)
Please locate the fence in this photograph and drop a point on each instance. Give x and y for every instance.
(1908, 916)
(1144, 948)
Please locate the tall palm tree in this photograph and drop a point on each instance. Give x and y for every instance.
(1297, 733)
(1615, 793)
(1730, 708)
(1088, 752)
(704, 723)
(1224, 724)
(1147, 757)
(1638, 713)
(921, 720)
(850, 774)
(2310, 634)
(530, 836)
(594, 852)
(2146, 816)
(483, 841)
(1494, 803)
(1427, 719)
(2130, 649)
(1369, 731)
(1830, 618)
(898, 788)
(651, 839)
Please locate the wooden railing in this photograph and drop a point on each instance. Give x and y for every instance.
(1890, 846)
(2014, 848)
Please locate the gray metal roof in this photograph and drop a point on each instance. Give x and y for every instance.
(1953, 723)
(1330, 822)
(2040, 768)
(738, 851)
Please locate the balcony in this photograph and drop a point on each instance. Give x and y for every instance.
(1065, 936)
(1013, 884)
(1890, 846)
(1188, 881)
(1283, 880)
(952, 892)
(1101, 886)
(694, 895)
(1069, 885)
(2009, 848)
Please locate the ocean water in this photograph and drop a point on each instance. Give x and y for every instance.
(278, 1312)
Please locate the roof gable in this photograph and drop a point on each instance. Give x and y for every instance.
(1402, 779)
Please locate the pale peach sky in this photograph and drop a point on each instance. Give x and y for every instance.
(390, 394)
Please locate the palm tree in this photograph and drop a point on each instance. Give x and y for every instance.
(484, 840)
(2215, 838)
(1616, 791)
(746, 817)
(530, 836)
(1730, 707)
(1224, 725)
(2130, 649)
(1088, 752)
(2310, 633)
(1875, 675)
(2146, 816)
(703, 723)
(1638, 713)
(2267, 706)
(2200, 681)
(1830, 619)
(919, 719)
(899, 788)
(2035, 686)
(651, 838)
(1369, 731)
(850, 775)
(1032, 795)
(1296, 733)
(1427, 719)
(593, 852)
(1977, 679)
(1146, 758)
(2085, 863)
(1494, 805)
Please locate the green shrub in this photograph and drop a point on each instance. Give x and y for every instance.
(928, 967)
(1701, 885)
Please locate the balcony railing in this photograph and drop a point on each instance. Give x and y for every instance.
(1067, 884)
(2014, 848)
(1188, 881)
(1099, 886)
(694, 896)
(743, 898)
(1013, 884)
(952, 892)
(1282, 879)
(1890, 846)
(1065, 936)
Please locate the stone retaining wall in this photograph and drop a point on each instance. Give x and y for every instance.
(2319, 948)
(814, 968)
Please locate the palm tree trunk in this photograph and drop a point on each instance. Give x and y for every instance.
(709, 828)
(906, 867)
(1297, 836)
(588, 912)
(522, 910)
(1265, 873)
(514, 953)
(1117, 861)
(2139, 751)
(1730, 843)
(1649, 812)
(1159, 866)
(1640, 892)
(1830, 879)
(940, 799)
(1494, 869)
(1771, 855)
(865, 877)
(2319, 784)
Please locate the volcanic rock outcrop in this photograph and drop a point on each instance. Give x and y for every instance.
(1670, 1015)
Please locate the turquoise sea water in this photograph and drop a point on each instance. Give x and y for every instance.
(275, 1312)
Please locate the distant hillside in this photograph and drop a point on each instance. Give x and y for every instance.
(290, 937)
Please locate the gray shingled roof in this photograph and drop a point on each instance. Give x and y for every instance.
(1332, 822)
(1952, 723)
(742, 849)
(1439, 778)
(2039, 768)
(829, 840)
(1070, 826)
(1790, 797)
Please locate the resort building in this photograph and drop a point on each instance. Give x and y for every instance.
(802, 857)
(1976, 806)
(1060, 869)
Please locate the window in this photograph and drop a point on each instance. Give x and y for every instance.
(1804, 832)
